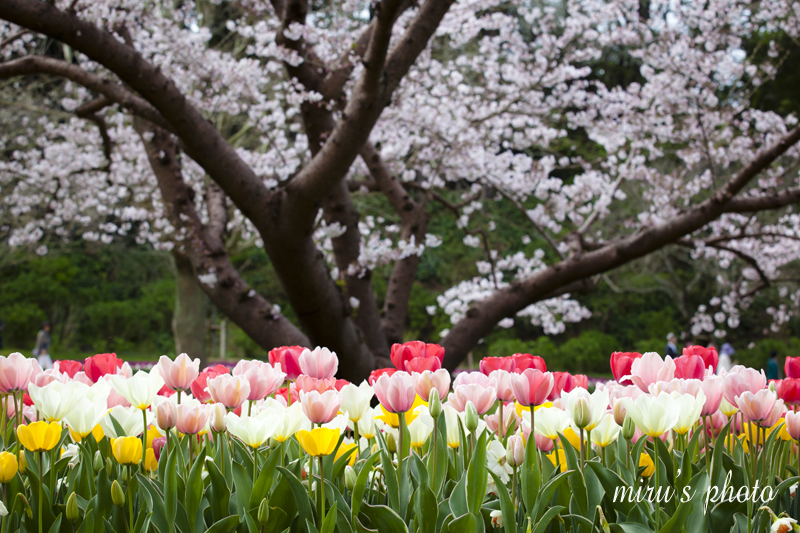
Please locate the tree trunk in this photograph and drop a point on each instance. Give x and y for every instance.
(190, 319)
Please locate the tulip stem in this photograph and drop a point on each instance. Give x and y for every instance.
(5, 421)
(500, 419)
(657, 485)
(356, 439)
(708, 455)
(583, 454)
(433, 457)
(255, 463)
(130, 497)
(41, 467)
(144, 438)
(321, 494)
(400, 426)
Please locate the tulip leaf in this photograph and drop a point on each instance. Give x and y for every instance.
(697, 520)
(282, 498)
(614, 485)
(576, 480)
(477, 476)
(224, 525)
(265, 478)
(465, 523)
(530, 475)
(333, 495)
(171, 491)
(458, 498)
(546, 493)
(361, 484)
(244, 487)
(677, 521)
(629, 528)
(194, 490)
(361, 528)
(716, 457)
(56, 524)
(389, 474)
(154, 500)
(329, 523)
(506, 506)
(221, 493)
(384, 519)
(426, 508)
(300, 495)
(343, 522)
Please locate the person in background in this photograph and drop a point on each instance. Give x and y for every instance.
(672, 348)
(725, 354)
(773, 370)
(42, 349)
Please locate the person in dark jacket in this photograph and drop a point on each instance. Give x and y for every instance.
(672, 348)
(773, 370)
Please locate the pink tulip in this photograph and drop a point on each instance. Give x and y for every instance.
(320, 408)
(48, 376)
(114, 398)
(166, 415)
(482, 398)
(396, 392)
(778, 410)
(501, 381)
(307, 384)
(718, 421)
(264, 379)
(515, 448)
(793, 424)
(741, 379)
(425, 382)
(320, 363)
(15, 372)
(509, 418)
(192, 419)
(81, 377)
(713, 387)
(532, 386)
(467, 378)
(649, 369)
(543, 443)
(690, 367)
(490, 364)
(756, 407)
(179, 374)
(158, 445)
(230, 391)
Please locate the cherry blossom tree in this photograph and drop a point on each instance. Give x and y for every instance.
(195, 125)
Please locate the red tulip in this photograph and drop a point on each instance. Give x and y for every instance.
(789, 390)
(218, 369)
(401, 353)
(690, 367)
(284, 391)
(200, 385)
(375, 374)
(26, 399)
(165, 391)
(792, 367)
(524, 361)
(101, 364)
(67, 367)
(341, 383)
(709, 355)
(581, 381)
(421, 364)
(289, 358)
(621, 365)
(562, 381)
(490, 364)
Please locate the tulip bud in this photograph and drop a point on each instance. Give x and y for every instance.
(434, 403)
(218, 423)
(274, 443)
(472, 418)
(582, 414)
(391, 444)
(23, 462)
(97, 463)
(515, 451)
(603, 522)
(109, 464)
(263, 512)
(73, 514)
(349, 477)
(619, 412)
(166, 415)
(628, 428)
(117, 496)
(28, 510)
(773, 387)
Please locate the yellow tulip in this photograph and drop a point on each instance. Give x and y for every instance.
(8, 467)
(39, 436)
(152, 433)
(23, 462)
(562, 459)
(75, 436)
(98, 433)
(743, 440)
(520, 408)
(344, 448)
(150, 461)
(647, 463)
(318, 441)
(127, 450)
(394, 421)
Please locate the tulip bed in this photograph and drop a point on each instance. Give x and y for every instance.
(284, 446)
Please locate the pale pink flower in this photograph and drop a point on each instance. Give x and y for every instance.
(532, 386)
(482, 398)
(264, 379)
(741, 379)
(649, 369)
(396, 392)
(81, 377)
(179, 374)
(320, 363)
(467, 378)
(426, 381)
(509, 417)
(166, 415)
(192, 418)
(756, 407)
(48, 376)
(713, 387)
(793, 424)
(230, 391)
(501, 381)
(320, 408)
(15, 372)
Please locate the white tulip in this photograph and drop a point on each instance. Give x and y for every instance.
(366, 425)
(689, 408)
(355, 400)
(549, 421)
(140, 390)
(496, 461)
(253, 431)
(452, 421)
(654, 415)
(606, 431)
(292, 420)
(128, 418)
(87, 413)
(56, 399)
(74, 454)
(578, 400)
(421, 427)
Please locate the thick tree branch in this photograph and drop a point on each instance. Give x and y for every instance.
(749, 204)
(218, 278)
(481, 319)
(113, 92)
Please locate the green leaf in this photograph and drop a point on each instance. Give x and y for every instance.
(384, 519)
(629, 528)
(171, 491)
(463, 524)
(300, 495)
(506, 506)
(224, 525)
(194, 490)
(56, 524)
(244, 487)
(576, 481)
(545, 495)
(477, 476)
(530, 475)
(361, 485)
(155, 503)
(427, 509)
(390, 475)
(544, 521)
(220, 501)
(330, 520)
(458, 498)
(265, 478)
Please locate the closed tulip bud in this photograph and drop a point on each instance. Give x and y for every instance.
(603, 522)
(109, 464)
(472, 417)
(773, 387)
(515, 451)
(166, 415)
(391, 444)
(628, 428)
(349, 477)
(8, 466)
(263, 512)
(434, 404)
(23, 462)
(218, 423)
(582, 414)
(73, 515)
(619, 413)
(117, 496)
(28, 510)
(98, 462)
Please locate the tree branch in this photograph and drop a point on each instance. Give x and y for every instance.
(763, 203)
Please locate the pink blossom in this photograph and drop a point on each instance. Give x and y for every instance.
(501, 381)
(396, 392)
(650, 368)
(320, 363)
(425, 382)
(482, 398)
(264, 379)
(15, 372)
(320, 408)
(179, 374)
(230, 391)
(532, 386)
(741, 379)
